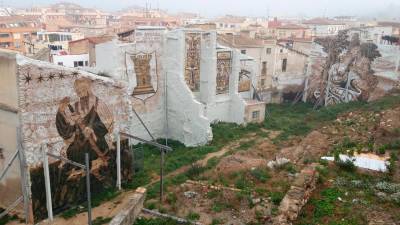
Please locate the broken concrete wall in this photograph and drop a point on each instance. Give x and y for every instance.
(186, 119)
(10, 186)
(297, 196)
(131, 211)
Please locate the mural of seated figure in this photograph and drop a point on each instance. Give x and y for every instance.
(84, 124)
(143, 77)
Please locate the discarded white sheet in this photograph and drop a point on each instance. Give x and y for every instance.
(366, 161)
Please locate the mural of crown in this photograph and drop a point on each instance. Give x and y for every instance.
(143, 77)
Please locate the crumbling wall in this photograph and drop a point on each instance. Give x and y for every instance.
(69, 113)
(131, 211)
(297, 196)
(343, 69)
(186, 119)
(10, 187)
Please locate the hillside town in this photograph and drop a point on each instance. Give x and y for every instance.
(146, 116)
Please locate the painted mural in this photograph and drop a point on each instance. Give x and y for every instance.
(70, 113)
(145, 68)
(224, 69)
(192, 64)
(244, 80)
(84, 124)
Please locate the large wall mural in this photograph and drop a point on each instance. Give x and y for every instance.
(192, 64)
(224, 69)
(76, 119)
(84, 124)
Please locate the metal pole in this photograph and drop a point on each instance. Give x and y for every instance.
(162, 176)
(89, 199)
(119, 161)
(24, 179)
(47, 184)
(23, 184)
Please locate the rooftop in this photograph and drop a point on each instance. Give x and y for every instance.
(323, 21)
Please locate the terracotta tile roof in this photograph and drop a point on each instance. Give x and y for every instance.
(95, 40)
(230, 19)
(291, 27)
(239, 41)
(322, 21)
(389, 24)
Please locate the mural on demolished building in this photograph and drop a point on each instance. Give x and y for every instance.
(84, 124)
(70, 113)
(244, 80)
(224, 69)
(192, 67)
(345, 73)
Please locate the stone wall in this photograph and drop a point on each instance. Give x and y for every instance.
(130, 212)
(297, 196)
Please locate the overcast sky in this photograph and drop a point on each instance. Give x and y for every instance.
(240, 7)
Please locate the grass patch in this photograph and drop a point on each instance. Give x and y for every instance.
(101, 220)
(157, 221)
(192, 216)
(301, 118)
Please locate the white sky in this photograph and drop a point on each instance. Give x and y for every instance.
(240, 7)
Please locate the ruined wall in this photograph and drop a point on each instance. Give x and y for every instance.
(69, 113)
(186, 119)
(10, 187)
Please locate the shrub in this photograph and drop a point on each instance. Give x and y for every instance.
(193, 216)
(195, 171)
(347, 165)
(216, 221)
(276, 197)
(260, 174)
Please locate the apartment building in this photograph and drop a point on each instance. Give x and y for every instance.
(17, 33)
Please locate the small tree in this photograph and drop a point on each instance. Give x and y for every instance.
(370, 51)
(355, 41)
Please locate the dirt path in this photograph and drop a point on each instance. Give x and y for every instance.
(203, 162)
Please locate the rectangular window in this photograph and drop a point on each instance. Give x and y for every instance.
(4, 35)
(262, 82)
(268, 51)
(243, 51)
(80, 63)
(264, 68)
(75, 64)
(284, 65)
(60, 63)
(255, 115)
(86, 63)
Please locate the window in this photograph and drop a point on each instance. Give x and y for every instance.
(284, 65)
(268, 51)
(86, 63)
(264, 68)
(61, 63)
(262, 82)
(4, 35)
(75, 64)
(281, 50)
(243, 51)
(80, 63)
(255, 115)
